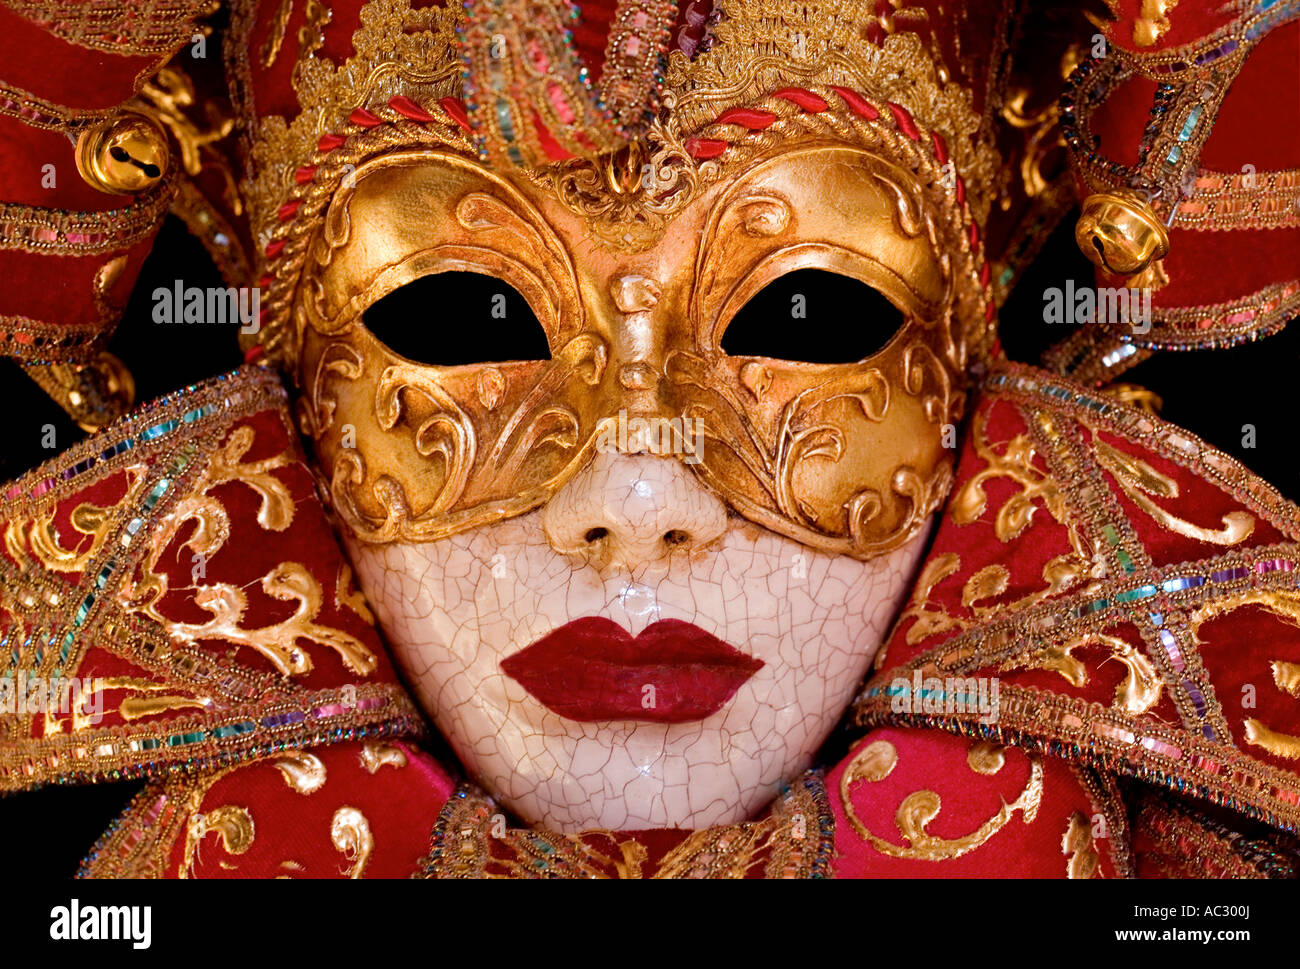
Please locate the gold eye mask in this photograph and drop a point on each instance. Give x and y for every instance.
(844, 457)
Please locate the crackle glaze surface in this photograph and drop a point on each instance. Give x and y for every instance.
(455, 608)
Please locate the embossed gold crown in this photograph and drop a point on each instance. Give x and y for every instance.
(751, 75)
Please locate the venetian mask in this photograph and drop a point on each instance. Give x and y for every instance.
(635, 454)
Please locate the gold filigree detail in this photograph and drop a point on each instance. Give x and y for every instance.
(1016, 462)
(277, 642)
(1284, 604)
(346, 594)
(629, 197)
(1080, 850)
(43, 539)
(1287, 677)
(171, 96)
(784, 842)
(760, 48)
(375, 755)
(1139, 480)
(397, 51)
(350, 833)
(1044, 137)
(1275, 742)
(153, 702)
(1152, 22)
(302, 771)
(1137, 693)
(921, 807)
(137, 27)
(931, 619)
(986, 757)
(207, 513)
(275, 34)
(874, 762)
(231, 823)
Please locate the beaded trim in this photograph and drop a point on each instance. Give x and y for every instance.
(138, 841)
(34, 341)
(1186, 843)
(1099, 353)
(1196, 758)
(1206, 200)
(1181, 119)
(56, 621)
(1242, 200)
(796, 839)
(1257, 18)
(201, 743)
(1151, 751)
(537, 103)
(59, 232)
(1107, 799)
(40, 113)
(132, 27)
(1191, 84)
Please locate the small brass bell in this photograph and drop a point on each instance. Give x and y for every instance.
(123, 155)
(1120, 233)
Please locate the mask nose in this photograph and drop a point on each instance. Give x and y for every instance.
(633, 509)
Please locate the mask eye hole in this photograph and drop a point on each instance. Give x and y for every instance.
(456, 319)
(813, 316)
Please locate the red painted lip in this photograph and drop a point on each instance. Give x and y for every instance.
(593, 669)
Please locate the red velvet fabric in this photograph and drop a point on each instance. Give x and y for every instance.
(252, 532)
(1185, 517)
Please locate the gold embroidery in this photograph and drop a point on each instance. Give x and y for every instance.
(986, 757)
(930, 619)
(1276, 743)
(233, 826)
(290, 582)
(1017, 463)
(211, 523)
(1140, 689)
(346, 594)
(874, 762)
(1079, 848)
(301, 770)
(43, 540)
(275, 35)
(1284, 604)
(170, 94)
(139, 707)
(376, 755)
(1138, 479)
(137, 27)
(1287, 676)
(1043, 137)
(1152, 21)
(350, 834)
(794, 840)
(1060, 573)
(921, 807)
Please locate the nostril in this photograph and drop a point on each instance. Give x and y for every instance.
(596, 534)
(676, 537)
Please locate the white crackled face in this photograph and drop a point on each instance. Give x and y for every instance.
(608, 637)
(596, 728)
